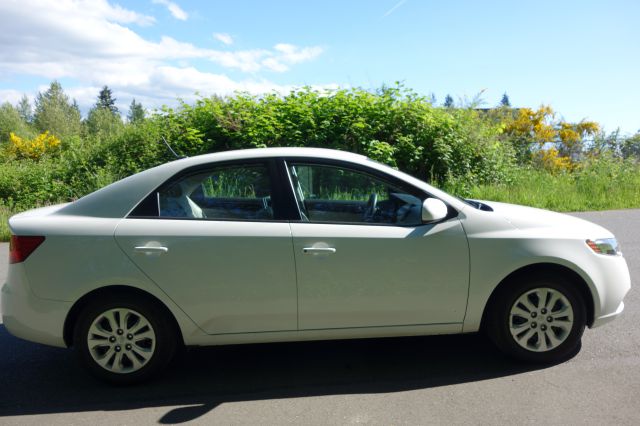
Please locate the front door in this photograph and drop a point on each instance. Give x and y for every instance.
(364, 258)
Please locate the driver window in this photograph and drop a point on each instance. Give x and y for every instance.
(226, 193)
(336, 194)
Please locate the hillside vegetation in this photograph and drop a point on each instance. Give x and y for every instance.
(50, 154)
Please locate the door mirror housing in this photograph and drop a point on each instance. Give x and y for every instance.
(433, 210)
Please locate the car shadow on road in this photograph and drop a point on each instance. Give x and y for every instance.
(36, 379)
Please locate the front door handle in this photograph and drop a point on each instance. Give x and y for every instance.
(312, 250)
(151, 249)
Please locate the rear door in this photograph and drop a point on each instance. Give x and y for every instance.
(219, 247)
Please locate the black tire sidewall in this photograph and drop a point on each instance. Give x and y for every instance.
(499, 325)
(164, 330)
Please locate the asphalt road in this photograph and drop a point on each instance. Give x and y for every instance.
(429, 380)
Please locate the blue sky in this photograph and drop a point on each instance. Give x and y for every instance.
(580, 57)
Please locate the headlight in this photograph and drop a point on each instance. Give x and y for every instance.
(605, 246)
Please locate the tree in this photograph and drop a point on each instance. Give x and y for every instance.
(136, 112)
(54, 112)
(448, 101)
(24, 109)
(103, 122)
(504, 102)
(106, 100)
(11, 122)
(631, 147)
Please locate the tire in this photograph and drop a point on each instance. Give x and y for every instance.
(124, 339)
(538, 319)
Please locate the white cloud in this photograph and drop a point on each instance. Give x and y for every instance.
(274, 65)
(175, 10)
(90, 44)
(224, 38)
(293, 54)
(10, 95)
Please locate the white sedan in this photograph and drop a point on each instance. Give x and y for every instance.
(289, 244)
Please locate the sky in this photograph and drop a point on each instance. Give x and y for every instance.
(580, 57)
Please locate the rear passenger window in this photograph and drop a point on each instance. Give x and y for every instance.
(241, 192)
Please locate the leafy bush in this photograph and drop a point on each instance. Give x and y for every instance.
(133, 150)
(393, 126)
(25, 184)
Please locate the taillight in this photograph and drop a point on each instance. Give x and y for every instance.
(21, 247)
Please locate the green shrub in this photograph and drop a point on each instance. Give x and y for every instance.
(393, 126)
(25, 184)
(133, 150)
(459, 149)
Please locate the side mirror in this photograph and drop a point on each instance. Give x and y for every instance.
(433, 210)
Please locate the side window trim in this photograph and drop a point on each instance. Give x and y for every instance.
(356, 168)
(293, 191)
(415, 191)
(149, 207)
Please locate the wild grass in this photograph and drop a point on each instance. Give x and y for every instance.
(601, 185)
(5, 214)
(596, 188)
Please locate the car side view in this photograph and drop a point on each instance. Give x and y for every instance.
(292, 244)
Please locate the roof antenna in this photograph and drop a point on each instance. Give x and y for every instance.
(179, 157)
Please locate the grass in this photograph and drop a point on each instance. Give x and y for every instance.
(582, 191)
(5, 214)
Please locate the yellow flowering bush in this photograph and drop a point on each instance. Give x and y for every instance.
(528, 129)
(33, 149)
(536, 126)
(551, 160)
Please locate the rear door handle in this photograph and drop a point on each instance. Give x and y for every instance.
(325, 250)
(150, 249)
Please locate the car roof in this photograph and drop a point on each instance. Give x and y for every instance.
(243, 154)
(119, 198)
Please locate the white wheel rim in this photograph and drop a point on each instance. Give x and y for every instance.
(541, 319)
(121, 340)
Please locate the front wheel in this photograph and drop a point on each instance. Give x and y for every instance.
(539, 320)
(124, 340)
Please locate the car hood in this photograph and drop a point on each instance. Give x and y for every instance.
(526, 218)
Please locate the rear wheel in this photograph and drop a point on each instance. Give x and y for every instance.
(540, 319)
(124, 339)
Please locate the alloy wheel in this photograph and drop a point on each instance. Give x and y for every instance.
(121, 340)
(541, 319)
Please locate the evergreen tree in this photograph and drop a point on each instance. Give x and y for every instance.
(136, 112)
(55, 113)
(448, 102)
(24, 109)
(75, 107)
(432, 99)
(102, 122)
(504, 102)
(106, 100)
